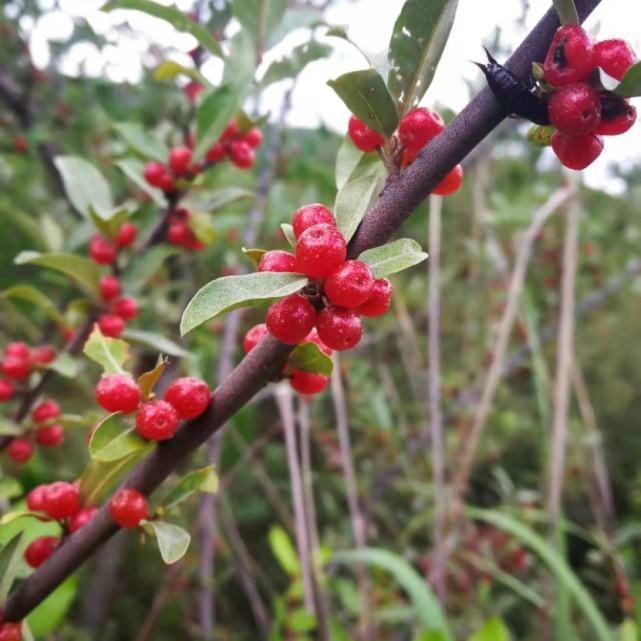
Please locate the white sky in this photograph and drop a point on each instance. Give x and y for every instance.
(369, 23)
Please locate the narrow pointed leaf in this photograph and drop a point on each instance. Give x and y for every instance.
(170, 69)
(148, 380)
(35, 296)
(260, 18)
(10, 558)
(142, 140)
(347, 159)
(156, 342)
(203, 480)
(288, 230)
(630, 85)
(254, 254)
(284, 551)
(493, 630)
(134, 170)
(393, 257)
(567, 11)
(84, 185)
(291, 65)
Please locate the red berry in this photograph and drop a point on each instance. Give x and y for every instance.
(617, 116)
(128, 508)
(193, 90)
(43, 354)
(118, 393)
(216, 152)
(241, 154)
(290, 319)
(450, 183)
(615, 57)
(157, 420)
(339, 328)
(36, 498)
(419, 127)
(45, 411)
(379, 300)
(254, 138)
(179, 160)
(61, 500)
(20, 450)
(16, 367)
(78, 521)
(40, 550)
(7, 390)
(254, 336)
(190, 140)
(20, 144)
(278, 261)
(575, 109)
(167, 182)
(154, 173)
(111, 325)
(313, 337)
(189, 397)
(350, 284)
(363, 137)
(308, 383)
(408, 158)
(570, 57)
(178, 234)
(109, 287)
(576, 152)
(126, 235)
(50, 436)
(102, 250)
(11, 632)
(311, 215)
(231, 131)
(320, 250)
(126, 308)
(17, 348)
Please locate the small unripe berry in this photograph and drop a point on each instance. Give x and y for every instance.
(126, 308)
(20, 450)
(102, 250)
(17, 348)
(310, 215)
(40, 550)
(290, 319)
(45, 411)
(339, 328)
(419, 127)
(313, 337)
(216, 152)
(79, 520)
(126, 235)
(570, 57)
(254, 336)
(615, 57)
(278, 261)
(128, 507)
(109, 287)
(43, 354)
(11, 632)
(617, 116)
(36, 498)
(379, 299)
(61, 500)
(308, 383)
(7, 390)
(179, 160)
(16, 367)
(350, 284)
(576, 152)
(363, 137)
(111, 325)
(118, 393)
(157, 420)
(575, 109)
(193, 90)
(320, 250)
(241, 154)
(254, 138)
(189, 396)
(50, 436)
(450, 183)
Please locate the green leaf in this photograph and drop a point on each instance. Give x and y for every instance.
(110, 353)
(298, 58)
(170, 69)
(145, 142)
(567, 11)
(85, 186)
(300, 621)
(254, 254)
(284, 551)
(493, 630)
(35, 296)
(148, 380)
(557, 564)
(393, 257)
(8, 427)
(50, 614)
(173, 16)
(10, 558)
(173, 541)
(260, 18)
(83, 271)
(9, 487)
(420, 33)
(156, 342)
(630, 85)
(628, 631)
(366, 96)
(10, 517)
(148, 265)
(201, 225)
(230, 292)
(347, 159)
(203, 480)
(110, 224)
(65, 365)
(218, 199)
(134, 169)
(431, 635)
(310, 358)
(114, 439)
(426, 605)
(288, 230)
(541, 136)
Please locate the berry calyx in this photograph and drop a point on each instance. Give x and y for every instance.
(378, 301)
(109, 287)
(45, 411)
(16, 367)
(308, 383)
(254, 336)
(79, 520)
(320, 250)
(216, 152)
(570, 57)
(20, 450)
(61, 500)
(350, 284)
(40, 550)
(43, 354)
(278, 261)
(575, 109)
(118, 393)
(50, 436)
(179, 160)
(339, 328)
(617, 116)
(241, 154)
(111, 325)
(615, 57)
(126, 235)
(102, 250)
(450, 183)
(419, 127)
(363, 137)
(310, 215)
(126, 308)
(157, 420)
(7, 390)
(576, 152)
(189, 396)
(254, 138)
(291, 319)
(128, 508)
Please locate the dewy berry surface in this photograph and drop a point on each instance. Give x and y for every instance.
(254, 336)
(79, 520)
(350, 284)
(310, 215)
(278, 261)
(118, 393)
(189, 396)
(128, 508)
(320, 250)
(363, 137)
(570, 57)
(291, 319)
(61, 500)
(307, 382)
(157, 420)
(379, 300)
(419, 127)
(339, 328)
(576, 152)
(615, 57)
(575, 109)
(617, 116)
(450, 183)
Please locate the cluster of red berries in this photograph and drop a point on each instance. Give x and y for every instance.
(238, 147)
(156, 420)
(104, 251)
(117, 309)
(416, 129)
(10, 631)
(580, 113)
(45, 431)
(180, 233)
(17, 364)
